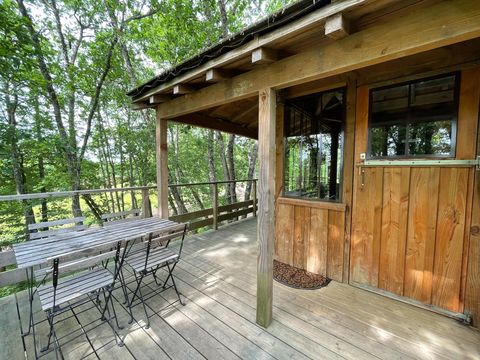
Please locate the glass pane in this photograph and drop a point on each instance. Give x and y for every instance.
(430, 138)
(313, 146)
(388, 140)
(415, 119)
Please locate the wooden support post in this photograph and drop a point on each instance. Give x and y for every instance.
(266, 197)
(162, 167)
(215, 206)
(254, 190)
(146, 204)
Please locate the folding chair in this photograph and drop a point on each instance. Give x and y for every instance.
(157, 255)
(48, 229)
(67, 293)
(120, 217)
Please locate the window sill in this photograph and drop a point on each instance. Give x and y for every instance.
(318, 204)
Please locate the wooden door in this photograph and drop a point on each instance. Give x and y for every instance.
(409, 231)
(411, 224)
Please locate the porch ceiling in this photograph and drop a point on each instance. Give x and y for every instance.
(241, 117)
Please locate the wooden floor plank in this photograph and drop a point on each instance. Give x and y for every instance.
(217, 276)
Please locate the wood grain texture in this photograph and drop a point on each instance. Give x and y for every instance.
(472, 285)
(394, 229)
(299, 243)
(468, 111)
(266, 204)
(279, 150)
(335, 245)
(325, 205)
(316, 261)
(449, 238)
(348, 169)
(366, 227)
(284, 233)
(162, 166)
(422, 218)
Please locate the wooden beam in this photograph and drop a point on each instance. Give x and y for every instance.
(158, 99)
(337, 27)
(162, 166)
(209, 122)
(266, 205)
(264, 56)
(140, 106)
(216, 75)
(435, 26)
(309, 21)
(181, 89)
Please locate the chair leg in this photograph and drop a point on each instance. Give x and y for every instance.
(130, 304)
(50, 317)
(84, 332)
(170, 275)
(123, 284)
(138, 291)
(20, 324)
(108, 299)
(144, 308)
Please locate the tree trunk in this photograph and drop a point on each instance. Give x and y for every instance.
(223, 158)
(17, 159)
(212, 174)
(252, 162)
(223, 18)
(231, 168)
(41, 165)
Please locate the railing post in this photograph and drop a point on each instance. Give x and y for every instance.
(215, 205)
(146, 204)
(254, 190)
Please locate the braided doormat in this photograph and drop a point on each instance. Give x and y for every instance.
(297, 278)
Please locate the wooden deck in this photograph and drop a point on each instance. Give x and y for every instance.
(217, 276)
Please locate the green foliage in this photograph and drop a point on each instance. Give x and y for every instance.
(74, 39)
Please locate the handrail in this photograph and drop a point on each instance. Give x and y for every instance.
(55, 194)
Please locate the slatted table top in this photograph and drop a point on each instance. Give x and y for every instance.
(37, 252)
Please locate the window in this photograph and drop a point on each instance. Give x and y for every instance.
(414, 119)
(314, 145)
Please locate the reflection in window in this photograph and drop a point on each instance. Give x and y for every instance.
(415, 119)
(314, 145)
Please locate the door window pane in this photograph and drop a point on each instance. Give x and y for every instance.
(415, 119)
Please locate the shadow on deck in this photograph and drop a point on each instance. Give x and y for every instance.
(217, 277)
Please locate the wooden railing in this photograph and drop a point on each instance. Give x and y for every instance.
(221, 210)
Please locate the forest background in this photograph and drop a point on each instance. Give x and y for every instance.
(66, 123)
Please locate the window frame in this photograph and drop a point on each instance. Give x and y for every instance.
(456, 101)
(341, 159)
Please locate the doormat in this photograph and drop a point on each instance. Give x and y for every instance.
(297, 278)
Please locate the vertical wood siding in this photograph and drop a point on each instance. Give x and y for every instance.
(311, 239)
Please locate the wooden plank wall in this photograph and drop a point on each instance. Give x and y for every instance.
(311, 238)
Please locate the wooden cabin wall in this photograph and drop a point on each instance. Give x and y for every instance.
(311, 238)
(315, 235)
(411, 225)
